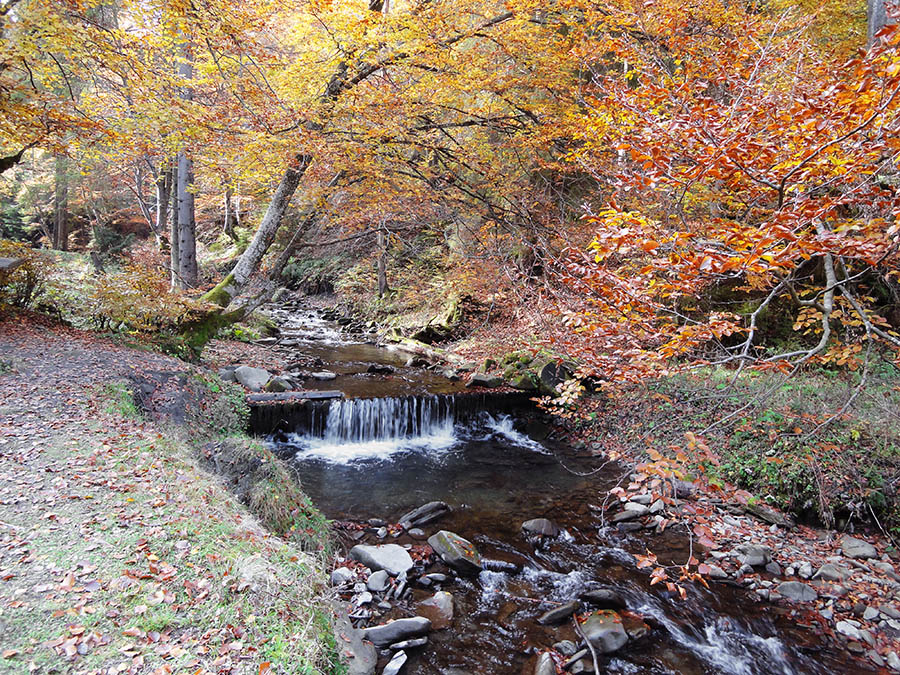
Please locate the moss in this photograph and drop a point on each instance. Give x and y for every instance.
(222, 293)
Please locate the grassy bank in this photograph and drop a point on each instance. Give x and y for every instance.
(122, 551)
(779, 439)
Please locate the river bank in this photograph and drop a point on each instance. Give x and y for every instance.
(119, 551)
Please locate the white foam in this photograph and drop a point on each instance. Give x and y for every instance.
(502, 426)
(346, 453)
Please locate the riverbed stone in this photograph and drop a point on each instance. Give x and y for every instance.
(226, 374)
(392, 558)
(395, 631)
(604, 630)
(797, 591)
(456, 552)
(831, 572)
(857, 548)
(341, 576)
(438, 609)
(541, 526)
(378, 581)
(805, 570)
(395, 664)
(544, 665)
(410, 644)
(565, 647)
(848, 630)
(484, 380)
(753, 555)
(427, 513)
(604, 598)
(324, 375)
(635, 626)
(559, 614)
(252, 378)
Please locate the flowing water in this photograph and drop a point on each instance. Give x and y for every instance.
(380, 457)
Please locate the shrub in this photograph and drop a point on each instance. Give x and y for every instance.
(22, 287)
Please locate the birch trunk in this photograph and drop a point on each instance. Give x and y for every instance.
(174, 238)
(187, 240)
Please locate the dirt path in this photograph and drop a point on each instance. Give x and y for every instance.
(117, 553)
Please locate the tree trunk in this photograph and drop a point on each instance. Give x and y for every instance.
(174, 238)
(163, 189)
(61, 204)
(382, 262)
(877, 13)
(187, 238)
(228, 227)
(250, 260)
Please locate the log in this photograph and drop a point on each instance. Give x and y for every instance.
(293, 396)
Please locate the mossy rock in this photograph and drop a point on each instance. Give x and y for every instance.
(525, 381)
(487, 365)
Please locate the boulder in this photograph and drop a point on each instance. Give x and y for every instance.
(226, 374)
(395, 631)
(797, 591)
(427, 513)
(523, 382)
(857, 548)
(380, 369)
(324, 376)
(552, 375)
(559, 614)
(391, 558)
(456, 552)
(769, 515)
(252, 378)
(541, 526)
(438, 609)
(484, 380)
(604, 630)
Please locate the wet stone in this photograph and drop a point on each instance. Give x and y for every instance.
(410, 644)
(397, 631)
(559, 614)
(604, 630)
(604, 598)
(541, 526)
(438, 609)
(341, 576)
(456, 552)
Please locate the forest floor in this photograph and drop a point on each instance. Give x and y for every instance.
(118, 552)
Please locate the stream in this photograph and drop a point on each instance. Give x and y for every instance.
(406, 437)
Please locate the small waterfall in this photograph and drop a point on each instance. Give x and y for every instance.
(385, 419)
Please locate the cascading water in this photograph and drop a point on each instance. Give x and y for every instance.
(367, 457)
